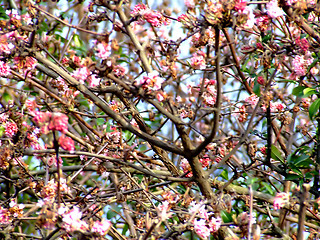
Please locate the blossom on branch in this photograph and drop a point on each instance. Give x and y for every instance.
(66, 143)
(4, 69)
(280, 200)
(144, 13)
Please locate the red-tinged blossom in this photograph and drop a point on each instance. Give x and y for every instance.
(66, 143)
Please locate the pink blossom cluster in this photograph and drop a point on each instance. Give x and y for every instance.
(163, 211)
(184, 164)
(301, 63)
(66, 143)
(190, 3)
(103, 49)
(187, 20)
(273, 9)
(201, 40)
(280, 200)
(144, 13)
(303, 44)
(151, 82)
(198, 60)
(114, 136)
(10, 127)
(7, 215)
(119, 71)
(4, 69)
(72, 221)
(49, 191)
(55, 122)
(51, 121)
(210, 95)
(5, 45)
(203, 224)
(25, 63)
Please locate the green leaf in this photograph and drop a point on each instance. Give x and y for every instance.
(2, 129)
(100, 121)
(256, 89)
(224, 174)
(300, 161)
(267, 186)
(314, 107)
(226, 217)
(315, 61)
(6, 96)
(266, 38)
(298, 91)
(125, 229)
(276, 154)
(77, 41)
(291, 177)
(308, 92)
(3, 15)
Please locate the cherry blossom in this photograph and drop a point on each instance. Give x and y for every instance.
(101, 227)
(66, 143)
(280, 200)
(72, 220)
(4, 69)
(103, 49)
(198, 60)
(273, 9)
(11, 128)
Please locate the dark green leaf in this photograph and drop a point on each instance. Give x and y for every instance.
(226, 217)
(275, 154)
(298, 91)
(291, 177)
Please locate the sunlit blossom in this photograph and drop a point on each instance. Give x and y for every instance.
(280, 200)
(273, 9)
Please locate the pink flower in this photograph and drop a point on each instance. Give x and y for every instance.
(151, 82)
(119, 71)
(189, 3)
(4, 69)
(31, 105)
(251, 20)
(72, 220)
(240, 5)
(280, 200)
(104, 50)
(58, 122)
(161, 96)
(198, 61)
(81, 74)
(187, 20)
(261, 80)
(10, 128)
(184, 164)
(101, 227)
(66, 143)
(300, 64)
(201, 228)
(93, 81)
(273, 9)
(215, 224)
(252, 100)
(144, 13)
(41, 117)
(163, 211)
(4, 216)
